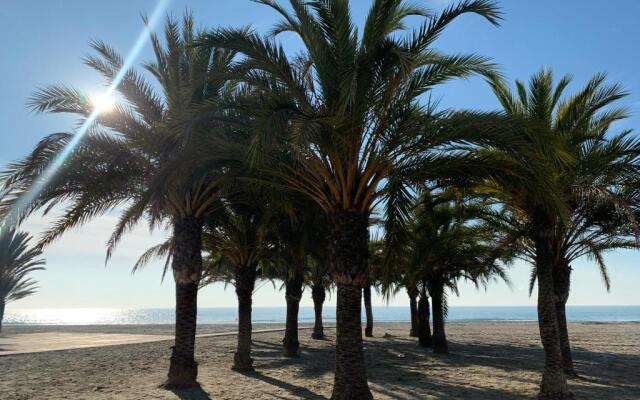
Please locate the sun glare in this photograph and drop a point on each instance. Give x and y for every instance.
(102, 103)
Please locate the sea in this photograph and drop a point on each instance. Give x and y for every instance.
(271, 315)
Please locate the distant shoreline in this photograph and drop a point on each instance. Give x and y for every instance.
(218, 328)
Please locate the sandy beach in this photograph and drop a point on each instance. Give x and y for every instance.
(487, 361)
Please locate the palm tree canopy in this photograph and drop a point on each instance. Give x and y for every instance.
(349, 104)
(596, 185)
(450, 241)
(17, 261)
(151, 154)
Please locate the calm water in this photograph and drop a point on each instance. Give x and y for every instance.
(91, 316)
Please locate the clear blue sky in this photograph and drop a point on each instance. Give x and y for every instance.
(43, 42)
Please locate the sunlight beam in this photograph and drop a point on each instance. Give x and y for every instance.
(102, 103)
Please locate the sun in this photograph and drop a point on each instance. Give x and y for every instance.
(102, 103)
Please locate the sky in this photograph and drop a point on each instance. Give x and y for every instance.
(43, 43)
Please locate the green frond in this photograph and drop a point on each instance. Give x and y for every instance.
(17, 261)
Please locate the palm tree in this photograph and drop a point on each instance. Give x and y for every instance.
(537, 198)
(240, 247)
(376, 249)
(423, 316)
(151, 155)
(17, 261)
(412, 292)
(451, 244)
(401, 275)
(600, 214)
(300, 231)
(318, 279)
(348, 109)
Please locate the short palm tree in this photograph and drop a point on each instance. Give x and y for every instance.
(375, 273)
(449, 243)
(399, 275)
(151, 156)
(240, 248)
(600, 213)
(299, 232)
(348, 108)
(17, 261)
(318, 280)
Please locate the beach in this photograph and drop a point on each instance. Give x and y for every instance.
(488, 360)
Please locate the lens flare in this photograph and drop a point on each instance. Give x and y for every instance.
(102, 103)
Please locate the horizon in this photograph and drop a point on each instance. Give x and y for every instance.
(310, 306)
(75, 272)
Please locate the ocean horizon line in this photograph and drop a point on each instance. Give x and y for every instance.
(302, 306)
(276, 315)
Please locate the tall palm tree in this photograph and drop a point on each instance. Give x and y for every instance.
(17, 261)
(540, 115)
(150, 156)
(601, 215)
(349, 109)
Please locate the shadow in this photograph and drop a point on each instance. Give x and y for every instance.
(268, 356)
(190, 393)
(603, 374)
(292, 389)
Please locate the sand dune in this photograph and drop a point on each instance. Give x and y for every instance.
(488, 361)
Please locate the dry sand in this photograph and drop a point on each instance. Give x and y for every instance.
(41, 341)
(488, 361)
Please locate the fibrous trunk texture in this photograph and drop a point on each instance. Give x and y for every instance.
(424, 330)
(436, 289)
(349, 253)
(554, 383)
(1, 314)
(293, 294)
(319, 295)
(413, 308)
(366, 294)
(245, 278)
(561, 285)
(187, 270)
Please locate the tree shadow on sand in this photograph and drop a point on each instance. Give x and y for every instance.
(292, 389)
(190, 393)
(398, 368)
(268, 356)
(408, 361)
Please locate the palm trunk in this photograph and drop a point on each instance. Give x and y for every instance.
(318, 293)
(1, 314)
(561, 285)
(349, 252)
(245, 277)
(187, 270)
(424, 331)
(366, 294)
(436, 289)
(293, 294)
(554, 383)
(413, 308)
